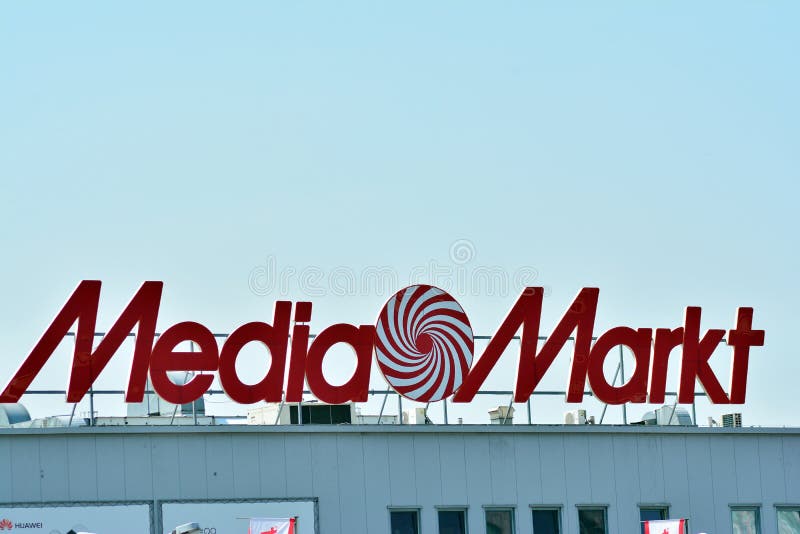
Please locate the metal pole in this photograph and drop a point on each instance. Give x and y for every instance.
(91, 406)
(194, 403)
(383, 405)
(622, 372)
(613, 383)
(400, 408)
(505, 415)
(673, 412)
(280, 409)
(529, 411)
(694, 413)
(74, 405)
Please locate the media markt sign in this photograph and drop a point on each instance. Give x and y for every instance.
(422, 341)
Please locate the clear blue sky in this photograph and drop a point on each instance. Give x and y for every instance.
(650, 149)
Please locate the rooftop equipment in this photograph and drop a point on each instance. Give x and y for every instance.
(502, 415)
(732, 420)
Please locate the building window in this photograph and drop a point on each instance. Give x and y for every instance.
(404, 521)
(452, 521)
(652, 513)
(592, 520)
(499, 521)
(745, 520)
(788, 520)
(546, 520)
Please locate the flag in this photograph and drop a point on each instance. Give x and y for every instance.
(270, 525)
(667, 526)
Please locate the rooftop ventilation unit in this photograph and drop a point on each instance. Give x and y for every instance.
(575, 417)
(502, 415)
(313, 413)
(152, 404)
(732, 420)
(11, 414)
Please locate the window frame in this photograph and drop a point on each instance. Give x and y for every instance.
(665, 507)
(453, 508)
(416, 509)
(746, 508)
(498, 508)
(603, 507)
(550, 507)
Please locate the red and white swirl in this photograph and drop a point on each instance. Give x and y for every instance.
(423, 343)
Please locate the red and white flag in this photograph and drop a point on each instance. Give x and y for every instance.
(666, 526)
(270, 525)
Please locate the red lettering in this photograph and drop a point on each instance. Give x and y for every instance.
(635, 390)
(694, 365)
(275, 339)
(741, 339)
(297, 359)
(165, 359)
(666, 340)
(526, 313)
(356, 389)
(87, 364)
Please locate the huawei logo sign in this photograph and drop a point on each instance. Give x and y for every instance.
(5, 524)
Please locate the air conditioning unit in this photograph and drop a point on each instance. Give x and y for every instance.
(575, 417)
(732, 420)
(502, 415)
(417, 416)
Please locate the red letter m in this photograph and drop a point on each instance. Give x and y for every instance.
(87, 364)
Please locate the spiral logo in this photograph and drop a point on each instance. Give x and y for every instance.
(462, 251)
(423, 343)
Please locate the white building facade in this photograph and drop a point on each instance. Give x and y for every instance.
(405, 479)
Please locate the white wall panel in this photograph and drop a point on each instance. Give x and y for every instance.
(402, 476)
(219, 473)
(192, 466)
(651, 468)
(297, 470)
(110, 467)
(748, 469)
(53, 468)
(701, 485)
(376, 484)
(626, 480)
(453, 468)
(723, 466)
(166, 467)
(82, 469)
(791, 473)
(6, 459)
(246, 467)
(356, 473)
(350, 465)
(277, 457)
(139, 467)
(325, 473)
(26, 469)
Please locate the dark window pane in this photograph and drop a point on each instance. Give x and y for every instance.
(652, 514)
(340, 414)
(452, 522)
(404, 522)
(592, 521)
(545, 521)
(499, 522)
